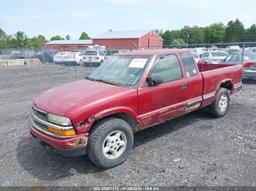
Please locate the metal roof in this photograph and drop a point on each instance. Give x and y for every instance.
(122, 34)
(77, 42)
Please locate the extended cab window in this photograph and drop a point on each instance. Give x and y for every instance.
(189, 64)
(167, 68)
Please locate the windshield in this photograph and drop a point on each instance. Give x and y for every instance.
(121, 70)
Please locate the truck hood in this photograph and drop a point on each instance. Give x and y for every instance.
(61, 100)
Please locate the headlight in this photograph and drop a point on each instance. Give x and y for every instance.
(59, 120)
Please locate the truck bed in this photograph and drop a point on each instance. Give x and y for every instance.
(216, 74)
(207, 67)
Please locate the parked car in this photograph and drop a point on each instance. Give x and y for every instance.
(213, 57)
(200, 50)
(47, 56)
(251, 49)
(248, 61)
(66, 57)
(196, 57)
(232, 49)
(132, 91)
(94, 57)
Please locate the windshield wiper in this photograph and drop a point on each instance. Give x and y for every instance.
(103, 81)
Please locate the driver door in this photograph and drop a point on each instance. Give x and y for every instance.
(162, 102)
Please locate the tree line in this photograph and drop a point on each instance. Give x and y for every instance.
(21, 41)
(234, 31)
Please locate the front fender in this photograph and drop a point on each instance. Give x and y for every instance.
(86, 125)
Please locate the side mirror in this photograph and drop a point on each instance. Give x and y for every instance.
(154, 80)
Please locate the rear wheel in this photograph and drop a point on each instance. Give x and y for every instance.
(221, 105)
(110, 142)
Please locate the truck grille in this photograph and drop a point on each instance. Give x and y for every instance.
(40, 114)
(40, 125)
(40, 122)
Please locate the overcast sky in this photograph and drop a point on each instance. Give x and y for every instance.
(51, 17)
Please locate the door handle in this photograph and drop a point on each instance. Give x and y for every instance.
(183, 86)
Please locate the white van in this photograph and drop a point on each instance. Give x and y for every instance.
(65, 57)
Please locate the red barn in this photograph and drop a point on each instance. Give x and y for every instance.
(68, 45)
(129, 40)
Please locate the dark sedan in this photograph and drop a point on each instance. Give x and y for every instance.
(248, 61)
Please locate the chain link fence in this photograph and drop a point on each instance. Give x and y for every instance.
(228, 53)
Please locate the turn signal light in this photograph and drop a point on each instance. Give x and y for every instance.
(70, 132)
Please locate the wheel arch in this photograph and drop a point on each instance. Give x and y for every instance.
(122, 113)
(227, 84)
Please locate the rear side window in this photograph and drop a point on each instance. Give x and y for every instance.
(168, 68)
(189, 64)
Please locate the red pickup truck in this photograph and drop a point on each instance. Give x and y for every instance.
(131, 91)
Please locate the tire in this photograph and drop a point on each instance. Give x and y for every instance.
(221, 105)
(113, 135)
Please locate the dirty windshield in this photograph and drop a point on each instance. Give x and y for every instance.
(121, 70)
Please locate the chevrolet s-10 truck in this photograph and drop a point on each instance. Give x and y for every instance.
(131, 91)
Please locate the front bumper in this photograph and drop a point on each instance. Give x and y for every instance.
(75, 146)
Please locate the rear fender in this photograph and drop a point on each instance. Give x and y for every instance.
(225, 84)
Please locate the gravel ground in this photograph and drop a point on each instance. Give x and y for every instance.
(192, 150)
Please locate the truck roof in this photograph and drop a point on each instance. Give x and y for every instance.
(150, 52)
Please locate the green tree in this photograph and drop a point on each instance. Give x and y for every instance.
(250, 34)
(234, 31)
(215, 33)
(178, 42)
(21, 40)
(193, 35)
(56, 37)
(84, 36)
(67, 37)
(37, 42)
(168, 36)
(3, 40)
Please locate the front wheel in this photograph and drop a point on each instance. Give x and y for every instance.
(110, 142)
(221, 105)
